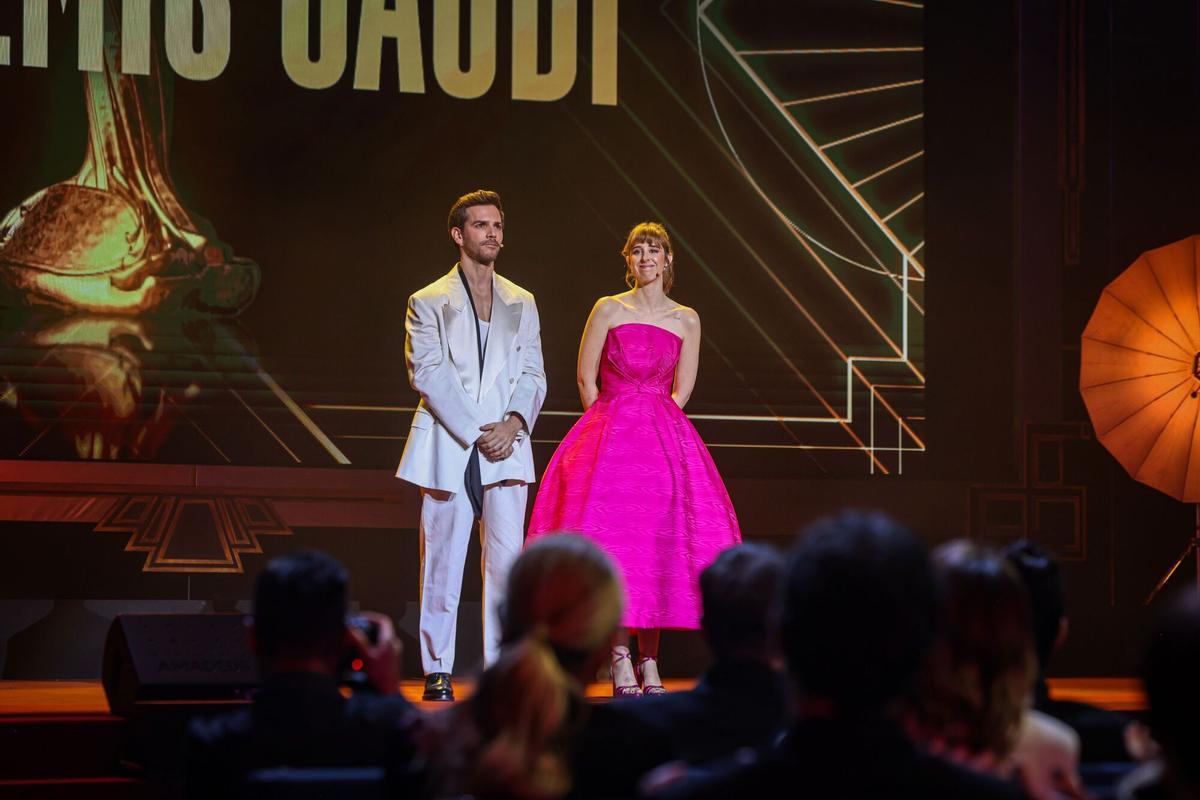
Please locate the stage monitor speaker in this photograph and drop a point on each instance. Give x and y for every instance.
(176, 657)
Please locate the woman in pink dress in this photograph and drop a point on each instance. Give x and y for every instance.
(632, 474)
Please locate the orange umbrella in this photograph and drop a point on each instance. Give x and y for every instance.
(1140, 370)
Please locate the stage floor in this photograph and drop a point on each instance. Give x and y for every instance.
(57, 699)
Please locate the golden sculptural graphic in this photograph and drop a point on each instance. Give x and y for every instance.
(103, 353)
(93, 269)
(115, 239)
(113, 386)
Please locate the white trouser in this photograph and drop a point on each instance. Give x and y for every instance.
(446, 525)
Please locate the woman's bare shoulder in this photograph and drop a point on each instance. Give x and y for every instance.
(609, 306)
(687, 316)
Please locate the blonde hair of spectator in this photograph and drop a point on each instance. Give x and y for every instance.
(563, 606)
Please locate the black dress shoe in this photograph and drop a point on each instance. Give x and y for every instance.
(438, 687)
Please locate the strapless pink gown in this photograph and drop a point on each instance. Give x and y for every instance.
(634, 476)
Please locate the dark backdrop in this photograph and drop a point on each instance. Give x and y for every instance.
(1058, 147)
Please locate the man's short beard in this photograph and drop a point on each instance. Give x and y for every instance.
(481, 256)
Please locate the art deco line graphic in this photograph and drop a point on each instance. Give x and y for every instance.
(193, 534)
(882, 223)
(115, 238)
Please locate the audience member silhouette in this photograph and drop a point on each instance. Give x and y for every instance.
(1169, 670)
(971, 702)
(299, 717)
(742, 700)
(1101, 732)
(860, 611)
(528, 731)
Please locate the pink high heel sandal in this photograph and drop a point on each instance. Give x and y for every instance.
(632, 690)
(648, 689)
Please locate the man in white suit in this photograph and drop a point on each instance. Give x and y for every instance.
(474, 353)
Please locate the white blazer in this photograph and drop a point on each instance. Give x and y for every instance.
(441, 353)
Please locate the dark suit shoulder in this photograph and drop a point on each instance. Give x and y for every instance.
(300, 729)
(830, 760)
(388, 712)
(942, 778)
(730, 778)
(614, 750)
(212, 753)
(763, 775)
(207, 733)
(727, 710)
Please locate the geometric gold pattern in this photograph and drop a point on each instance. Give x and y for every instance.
(846, 87)
(1050, 503)
(193, 534)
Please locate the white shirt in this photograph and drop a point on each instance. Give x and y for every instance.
(484, 327)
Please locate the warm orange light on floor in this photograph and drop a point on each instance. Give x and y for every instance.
(47, 700)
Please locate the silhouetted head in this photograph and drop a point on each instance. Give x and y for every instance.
(1171, 670)
(300, 608)
(740, 594)
(860, 609)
